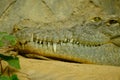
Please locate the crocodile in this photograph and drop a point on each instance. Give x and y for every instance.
(94, 42)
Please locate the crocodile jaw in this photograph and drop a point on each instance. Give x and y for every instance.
(71, 45)
(107, 54)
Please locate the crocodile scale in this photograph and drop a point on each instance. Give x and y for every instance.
(97, 43)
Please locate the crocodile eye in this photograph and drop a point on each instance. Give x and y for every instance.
(112, 22)
(97, 19)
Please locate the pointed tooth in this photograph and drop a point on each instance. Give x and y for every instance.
(61, 43)
(45, 43)
(36, 41)
(49, 44)
(65, 40)
(77, 43)
(71, 41)
(23, 46)
(54, 47)
(41, 42)
(36, 44)
(31, 40)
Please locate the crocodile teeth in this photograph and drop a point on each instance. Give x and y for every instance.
(23, 46)
(31, 38)
(65, 40)
(71, 41)
(54, 47)
(49, 44)
(40, 42)
(36, 43)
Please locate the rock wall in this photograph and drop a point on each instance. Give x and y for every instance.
(61, 13)
(110, 6)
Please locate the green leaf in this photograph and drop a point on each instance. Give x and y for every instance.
(2, 34)
(4, 78)
(10, 38)
(14, 77)
(12, 61)
(1, 44)
(7, 37)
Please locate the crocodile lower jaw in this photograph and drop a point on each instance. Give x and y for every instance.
(107, 54)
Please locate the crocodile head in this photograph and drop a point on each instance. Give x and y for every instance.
(110, 27)
(95, 41)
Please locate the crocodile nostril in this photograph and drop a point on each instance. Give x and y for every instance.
(113, 21)
(22, 43)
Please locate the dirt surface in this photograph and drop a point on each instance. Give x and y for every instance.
(57, 70)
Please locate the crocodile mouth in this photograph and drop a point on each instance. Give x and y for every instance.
(87, 44)
(67, 50)
(50, 38)
(36, 42)
(95, 49)
(68, 41)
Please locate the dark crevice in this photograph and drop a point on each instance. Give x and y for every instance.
(22, 53)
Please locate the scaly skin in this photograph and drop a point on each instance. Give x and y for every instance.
(94, 42)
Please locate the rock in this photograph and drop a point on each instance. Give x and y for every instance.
(61, 8)
(44, 11)
(4, 4)
(57, 70)
(112, 7)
